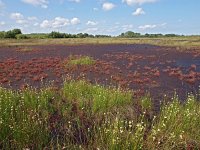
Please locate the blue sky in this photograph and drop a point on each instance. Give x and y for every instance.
(101, 16)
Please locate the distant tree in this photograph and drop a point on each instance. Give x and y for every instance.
(130, 34)
(102, 36)
(91, 36)
(54, 34)
(80, 35)
(122, 35)
(16, 31)
(9, 34)
(171, 35)
(21, 36)
(2, 34)
(12, 33)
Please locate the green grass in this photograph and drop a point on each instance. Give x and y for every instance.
(101, 98)
(85, 116)
(181, 43)
(83, 60)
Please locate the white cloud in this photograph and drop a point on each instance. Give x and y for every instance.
(138, 11)
(91, 23)
(19, 18)
(90, 30)
(55, 23)
(147, 26)
(152, 26)
(108, 6)
(77, 1)
(75, 21)
(2, 5)
(127, 27)
(59, 22)
(42, 3)
(36, 24)
(95, 9)
(32, 18)
(21, 21)
(16, 16)
(163, 24)
(139, 2)
(2, 23)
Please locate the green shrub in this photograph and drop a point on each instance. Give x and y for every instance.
(21, 36)
(83, 60)
(12, 33)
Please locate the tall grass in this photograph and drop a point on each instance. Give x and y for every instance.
(101, 98)
(180, 42)
(86, 116)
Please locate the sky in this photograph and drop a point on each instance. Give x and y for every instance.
(111, 17)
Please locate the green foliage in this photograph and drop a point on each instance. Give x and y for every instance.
(102, 36)
(12, 33)
(100, 98)
(177, 126)
(130, 34)
(54, 34)
(2, 34)
(86, 116)
(37, 35)
(9, 34)
(21, 36)
(83, 60)
(16, 31)
(21, 123)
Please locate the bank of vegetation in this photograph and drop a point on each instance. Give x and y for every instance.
(17, 34)
(85, 116)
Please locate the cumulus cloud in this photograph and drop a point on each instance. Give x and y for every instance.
(90, 30)
(75, 21)
(16, 16)
(147, 26)
(55, 23)
(59, 22)
(127, 27)
(139, 2)
(95, 9)
(2, 23)
(91, 23)
(36, 24)
(32, 18)
(41, 3)
(138, 11)
(20, 19)
(108, 6)
(151, 26)
(2, 5)
(77, 1)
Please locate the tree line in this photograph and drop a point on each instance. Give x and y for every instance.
(131, 34)
(17, 34)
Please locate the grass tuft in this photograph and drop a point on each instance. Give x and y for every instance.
(83, 60)
(86, 116)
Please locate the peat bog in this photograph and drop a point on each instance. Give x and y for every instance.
(142, 68)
